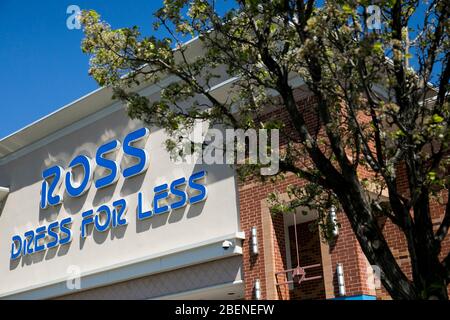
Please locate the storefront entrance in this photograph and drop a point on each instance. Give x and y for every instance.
(304, 250)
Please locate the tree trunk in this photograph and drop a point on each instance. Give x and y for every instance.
(374, 244)
(430, 280)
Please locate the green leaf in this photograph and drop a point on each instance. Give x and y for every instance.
(400, 133)
(378, 47)
(347, 8)
(273, 28)
(432, 175)
(437, 118)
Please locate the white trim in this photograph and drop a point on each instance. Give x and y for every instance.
(78, 124)
(152, 89)
(87, 120)
(162, 262)
(187, 42)
(287, 248)
(53, 113)
(61, 133)
(223, 83)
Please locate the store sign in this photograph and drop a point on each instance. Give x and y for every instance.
(169, 196)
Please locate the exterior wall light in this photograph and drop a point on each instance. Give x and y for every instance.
(3, 193)
(257, 289)
(333, 220)
(227, 244)
(254, 241)
(340, 279)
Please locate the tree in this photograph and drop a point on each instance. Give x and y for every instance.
(381, 98)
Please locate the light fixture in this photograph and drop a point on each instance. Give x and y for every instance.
(333, 220)
(254, 240)
(340, 279)
(257, 289)
(3, 193)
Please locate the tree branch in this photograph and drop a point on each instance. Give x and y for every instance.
(445, 224)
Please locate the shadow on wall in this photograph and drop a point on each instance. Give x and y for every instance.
(129, 187)
(34, 258)
(104, 195)
(27, 169)
(49, 214)
(214, 174)
(133, 185)
(75, 205)
(2, 204)
(100, 237)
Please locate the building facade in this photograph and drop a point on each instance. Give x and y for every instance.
(92, 207)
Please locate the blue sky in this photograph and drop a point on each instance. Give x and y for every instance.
(42, 66)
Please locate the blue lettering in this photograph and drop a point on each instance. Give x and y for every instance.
(102, 227)
(53, 234)
(17, 245)
(51, 196)
(28, 241)
(199, 187)
(112, 166)
(140, 213)
(87, 218)
(161, 193)
(140, 154)
(120, 208)
(44, 202)
(86, 163)
(178, 193)
(64, 228)
(40, 234)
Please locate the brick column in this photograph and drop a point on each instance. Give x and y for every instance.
(254, 212)
(253, 265)
(327, 268)
(345, 249)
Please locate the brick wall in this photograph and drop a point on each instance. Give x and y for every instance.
(252, 194)
(345, 249)
(309, 253)
(397, 242)
(396, 239)
(253, 211)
